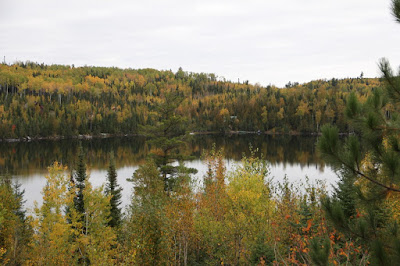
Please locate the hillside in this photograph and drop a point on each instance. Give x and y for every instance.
(40, 100)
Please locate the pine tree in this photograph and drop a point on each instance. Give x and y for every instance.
(168, 133)
(148, 229)
(262, 251)
(346, 194)
(364, 205)
(319, 252)
(114, 190)
(15, 232)
(396, 9)
(79, 180)
(64, 238)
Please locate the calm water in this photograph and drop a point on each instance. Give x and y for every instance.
(294, 156)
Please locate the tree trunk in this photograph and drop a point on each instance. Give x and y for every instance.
(185, 252)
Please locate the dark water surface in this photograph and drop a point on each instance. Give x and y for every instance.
(27, 162)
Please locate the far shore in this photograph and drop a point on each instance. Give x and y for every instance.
(106, 135)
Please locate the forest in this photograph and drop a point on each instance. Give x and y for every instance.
(38, 100)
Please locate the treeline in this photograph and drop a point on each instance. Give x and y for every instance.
(38, 100)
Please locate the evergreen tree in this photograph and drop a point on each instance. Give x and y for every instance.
(63, 239)
(15, 232)
(114, 190)
(396, 9)
(364, 205)
(79, 181)
(52, 243)
(319, 252)
(262, 250)
(148, 229)
(168, 133)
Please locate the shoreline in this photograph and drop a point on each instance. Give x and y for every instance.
(106, 135)
(56, 138)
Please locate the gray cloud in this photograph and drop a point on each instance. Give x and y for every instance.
(261, 41)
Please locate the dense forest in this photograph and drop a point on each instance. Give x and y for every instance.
(39, 100)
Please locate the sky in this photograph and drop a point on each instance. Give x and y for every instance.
(266, 42)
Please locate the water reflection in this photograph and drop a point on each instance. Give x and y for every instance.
(294, 156)
(28, 158)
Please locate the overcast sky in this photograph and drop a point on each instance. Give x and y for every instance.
(269, 41)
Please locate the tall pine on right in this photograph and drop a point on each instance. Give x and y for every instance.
(365, 205)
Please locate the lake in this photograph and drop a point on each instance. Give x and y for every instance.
(27, 162)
